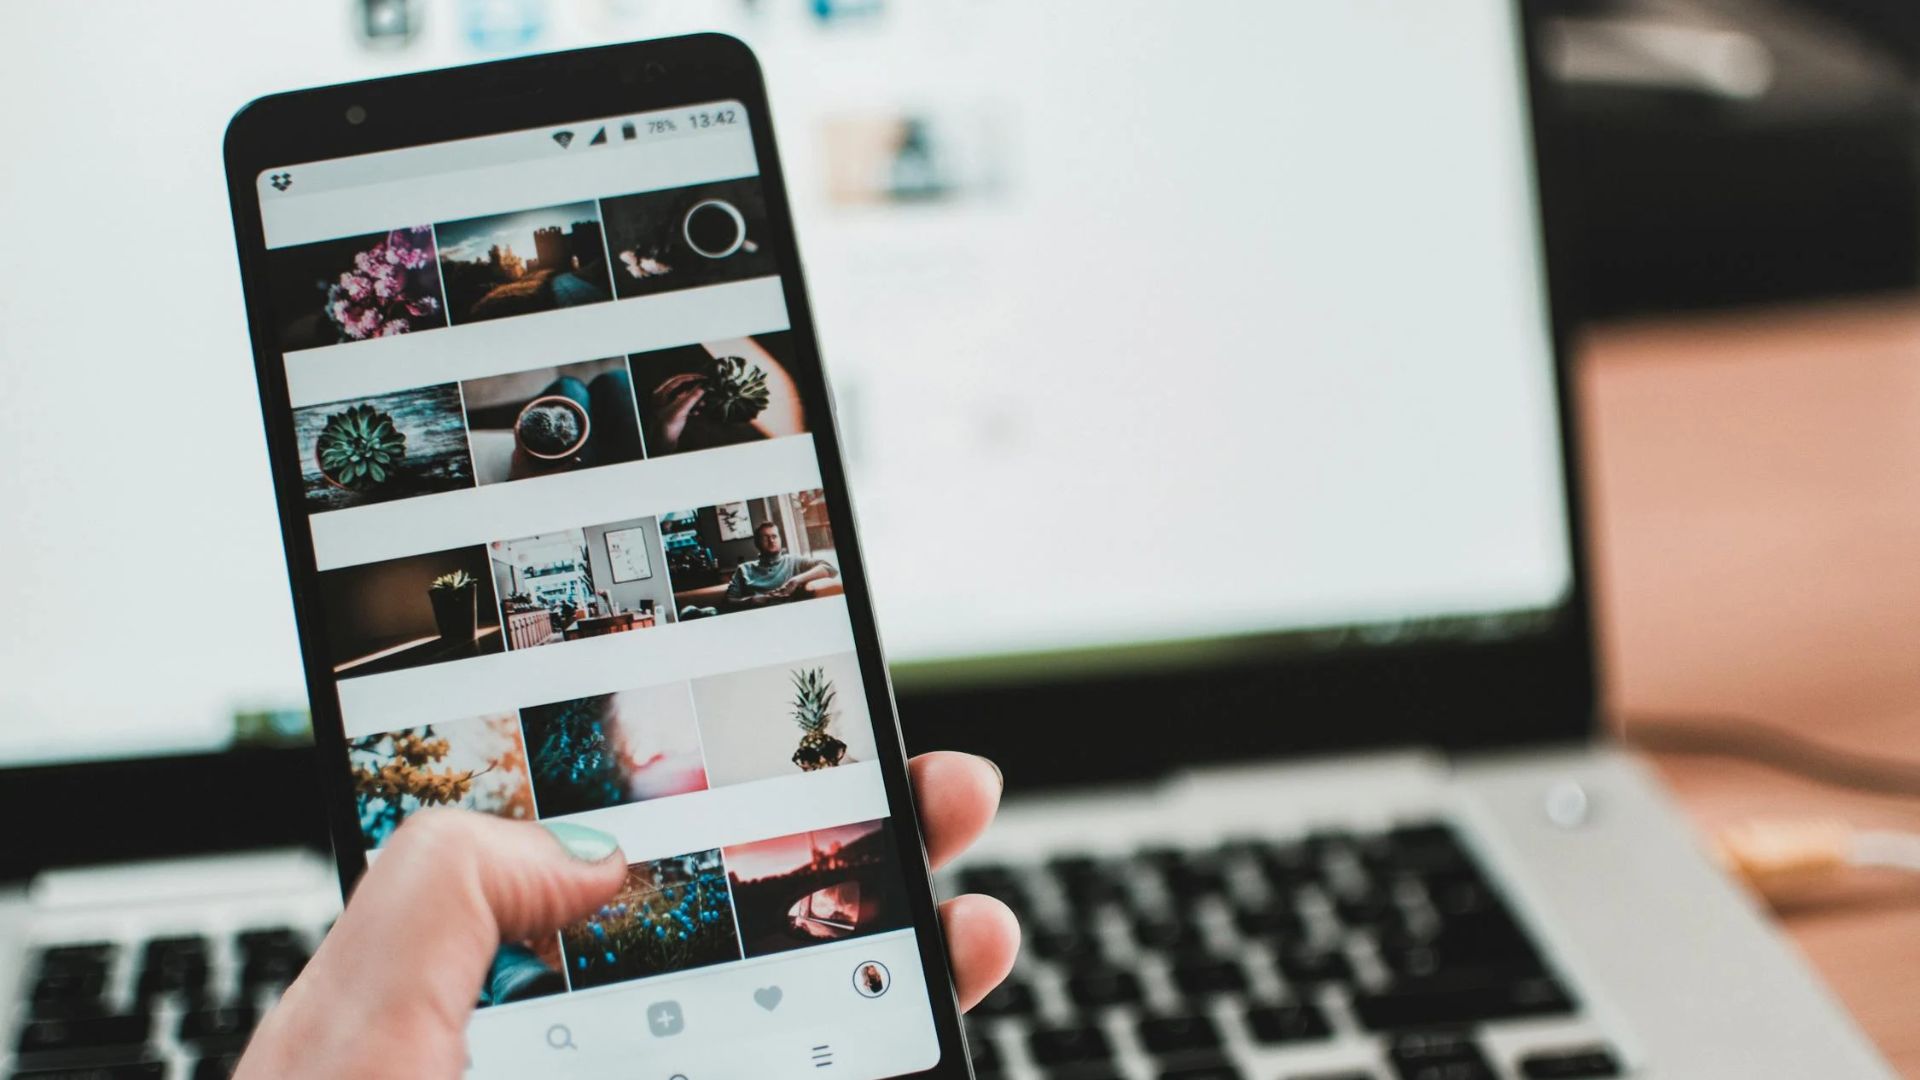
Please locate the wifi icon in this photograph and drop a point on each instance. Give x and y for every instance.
(564, 138)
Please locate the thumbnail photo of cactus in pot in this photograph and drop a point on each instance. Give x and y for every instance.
(406, 612)
(719, 393)
(390, 446)
(552, 419)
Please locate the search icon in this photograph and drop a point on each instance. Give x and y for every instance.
(560, 1037)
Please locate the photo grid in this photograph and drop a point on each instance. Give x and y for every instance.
(558, 418)
(650, 743)
(615, 577)
(558, 415)
(419, 277)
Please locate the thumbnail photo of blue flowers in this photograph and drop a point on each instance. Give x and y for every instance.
(672, 914)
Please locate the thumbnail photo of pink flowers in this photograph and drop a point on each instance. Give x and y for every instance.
(357, 288)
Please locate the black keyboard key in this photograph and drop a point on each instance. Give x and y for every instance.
(1578, 1063)
(1099, 985)
(1288, 866)
(217, 1025)
(92, 954)
(1438, 1055)
(102, 1033)
(1067, 945)
(270, 939)
(1312, 966)
(1194, 876)
(1166, 932)
(1202, 977)
(271, 969)
(1169, 1035)
(1207, 1070)
(1087, 882)
(216, 1067)
(67, 986)
(1010, 998)
(996, 881)
(184, 945)
(1069, 1045)
(1356, 1074)
(1462, 897)
(1287, 1023)
(1425, 849)
(174, 965)
(1442, 1002)
(1273, 920)
(1371, 909)
(138, 1070)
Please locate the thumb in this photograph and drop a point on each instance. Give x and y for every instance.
(420, 931)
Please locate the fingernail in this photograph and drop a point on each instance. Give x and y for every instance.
(587, 845)
(995, 766)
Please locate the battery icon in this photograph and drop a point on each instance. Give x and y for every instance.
(627, 131)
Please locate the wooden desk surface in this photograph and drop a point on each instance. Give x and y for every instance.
(1755, 490)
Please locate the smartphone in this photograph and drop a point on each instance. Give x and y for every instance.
(569, 538)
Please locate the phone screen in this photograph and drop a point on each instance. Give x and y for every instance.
(574, 558)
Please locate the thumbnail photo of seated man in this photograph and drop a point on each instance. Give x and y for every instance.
(753, 554)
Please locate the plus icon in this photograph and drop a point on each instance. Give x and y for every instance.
(664, 1019)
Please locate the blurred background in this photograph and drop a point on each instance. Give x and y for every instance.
(1726, 154)
(1743, 177)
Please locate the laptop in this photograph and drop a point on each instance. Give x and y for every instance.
(1202, 371)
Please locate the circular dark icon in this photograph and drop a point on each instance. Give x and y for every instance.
(872, 978)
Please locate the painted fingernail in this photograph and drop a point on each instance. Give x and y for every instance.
(587, 845)
(995, 766)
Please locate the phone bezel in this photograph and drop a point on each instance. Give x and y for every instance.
(283, 130)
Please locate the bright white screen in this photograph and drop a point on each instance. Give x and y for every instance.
(1244, 334)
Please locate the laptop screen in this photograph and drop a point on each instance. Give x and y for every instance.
(1172, 327)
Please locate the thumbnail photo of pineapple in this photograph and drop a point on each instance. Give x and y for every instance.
(718, 393)
(783, 719)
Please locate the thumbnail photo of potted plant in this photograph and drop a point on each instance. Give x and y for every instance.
(813, 696)
(456, 608)
(719, 393)
(360, 448)
(553, 427)
(736, 390)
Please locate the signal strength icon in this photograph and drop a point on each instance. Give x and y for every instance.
(564, 138)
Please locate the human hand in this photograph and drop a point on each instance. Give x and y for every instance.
(390, 991)
(673, 402)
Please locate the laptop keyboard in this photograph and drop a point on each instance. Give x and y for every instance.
(179, 1006)
(1362, 955)
(1387, 952)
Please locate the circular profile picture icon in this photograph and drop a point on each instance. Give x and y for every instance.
(872, 978)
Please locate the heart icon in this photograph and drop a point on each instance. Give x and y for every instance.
(767, 997)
